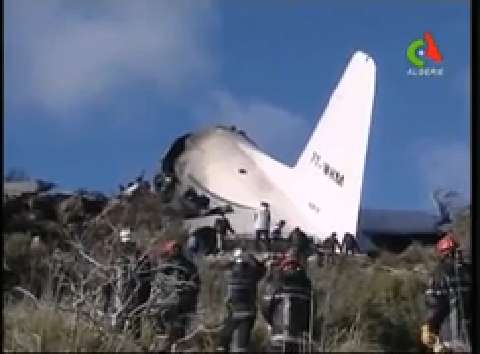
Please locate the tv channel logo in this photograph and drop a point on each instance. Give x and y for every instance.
(422, 53)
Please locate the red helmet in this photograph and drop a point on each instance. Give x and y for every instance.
(289, 263)
(166, 249)
(446, 245)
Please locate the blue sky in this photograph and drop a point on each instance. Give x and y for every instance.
(95, 91)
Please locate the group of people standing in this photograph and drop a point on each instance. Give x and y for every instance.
(161, 284)
(165, 285)
(330, 245)
(286, 302)
(448, 322)
(264, 233)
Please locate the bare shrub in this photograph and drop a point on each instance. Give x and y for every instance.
(363, 304)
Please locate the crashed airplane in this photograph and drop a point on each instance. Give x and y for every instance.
(320, 194)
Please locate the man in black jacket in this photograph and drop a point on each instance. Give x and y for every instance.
(222, 227)
(330, 244)
(175, 290)
(244, 274)
(447, 323)
(287, 307)
(278, 229)
(299, 245)
(350, 244)
(130, 287)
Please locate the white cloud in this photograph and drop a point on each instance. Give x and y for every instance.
(279, 132)
(445, 165)
(66, 53)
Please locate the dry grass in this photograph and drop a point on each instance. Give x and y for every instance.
(363, 304)
(371, 304)
(28, 328)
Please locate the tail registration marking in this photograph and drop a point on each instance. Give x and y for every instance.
(327, 169)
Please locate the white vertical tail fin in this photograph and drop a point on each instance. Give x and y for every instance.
(331, 166)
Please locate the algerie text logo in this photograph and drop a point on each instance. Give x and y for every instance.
(421, 51)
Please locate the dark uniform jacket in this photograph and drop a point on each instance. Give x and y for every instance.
(300, 245)
(242, 287)
(286, 305)
(298, 239)
(222, 225)
(448, 301)
(349, 242)
(132, 283)
(187, 282)
(330, 243)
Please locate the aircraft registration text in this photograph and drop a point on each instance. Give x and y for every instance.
(327, 169)
(314, 207)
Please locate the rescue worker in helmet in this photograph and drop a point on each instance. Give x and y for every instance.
(242, 278)
(287, 306)
(130, 287)
(447, 324)
(176, 286)
(299, 245)
(164, 185)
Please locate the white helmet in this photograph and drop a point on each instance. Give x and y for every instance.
(131, 189)
(125, 235)
(238, 255)
(35, 243)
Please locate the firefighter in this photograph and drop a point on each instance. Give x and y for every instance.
(299, 245)
(60, 274)
(130, 287)
(447, 324)
(287, 307)
(244, 274)
(262, 224)
(202, 241)
(222, 227)
(165, 185)
(192, 247)
(38, 265)
(178, 277)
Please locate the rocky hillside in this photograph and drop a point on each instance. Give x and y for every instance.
(362, 303)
